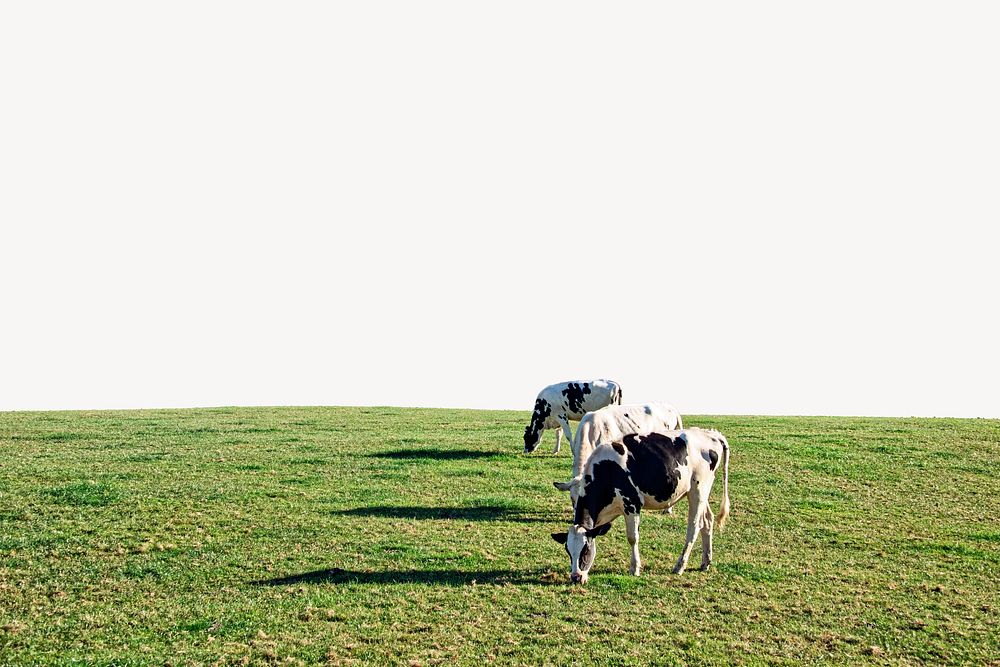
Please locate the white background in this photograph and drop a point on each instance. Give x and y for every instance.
(768, 207)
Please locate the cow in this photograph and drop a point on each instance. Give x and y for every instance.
(613, 423)
(559, 403)
(651, 471)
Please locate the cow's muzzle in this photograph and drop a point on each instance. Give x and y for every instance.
(578, 578)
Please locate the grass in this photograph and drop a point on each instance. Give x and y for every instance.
(396, 536)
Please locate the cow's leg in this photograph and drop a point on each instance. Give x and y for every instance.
(691, 532)
(707, 519)
(564, 429)
(696, 508)
(632, 533)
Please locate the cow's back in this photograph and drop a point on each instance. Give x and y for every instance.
(659, 465)
(655, 465)
(602, 394)
(575, 398)
(614, 422)
(663, 463)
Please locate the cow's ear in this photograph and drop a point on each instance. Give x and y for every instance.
(600, 530)
(566, 486)
(560, 537)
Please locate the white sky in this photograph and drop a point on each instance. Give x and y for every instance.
(767, 207)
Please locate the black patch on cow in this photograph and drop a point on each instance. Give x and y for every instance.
(538, 417)
(587, 555)
(631, 503)
(600, 530)
(618, 447)
(599, 492)
(653, 461)
(574, 394)
(713, 459)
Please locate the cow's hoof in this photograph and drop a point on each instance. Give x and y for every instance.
(678, 569)
(705, 567)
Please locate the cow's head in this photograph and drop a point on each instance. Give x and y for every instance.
(582, 548)
(532, 436)
(533, 432)
(574, 486)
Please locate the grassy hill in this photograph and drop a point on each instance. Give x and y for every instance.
(385, 536)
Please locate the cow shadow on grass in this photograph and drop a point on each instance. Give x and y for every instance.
(336, 575)
(436, 454)
(480, 513)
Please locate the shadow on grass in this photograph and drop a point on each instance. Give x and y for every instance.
(336, 575)
(436, 454)
(483, 513)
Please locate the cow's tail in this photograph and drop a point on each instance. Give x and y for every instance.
(724, 509)
(680, 424)
(618, 394)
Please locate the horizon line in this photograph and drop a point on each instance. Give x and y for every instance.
(477, 409)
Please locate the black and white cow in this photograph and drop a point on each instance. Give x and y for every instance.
(613, 423)
(647, 472)
(558, 404)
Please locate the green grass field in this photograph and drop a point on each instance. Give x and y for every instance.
(420, 537)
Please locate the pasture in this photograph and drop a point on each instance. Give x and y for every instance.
(421, 537)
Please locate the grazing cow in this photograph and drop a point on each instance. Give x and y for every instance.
(559, 403)
(613, 423)
(651, 471)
